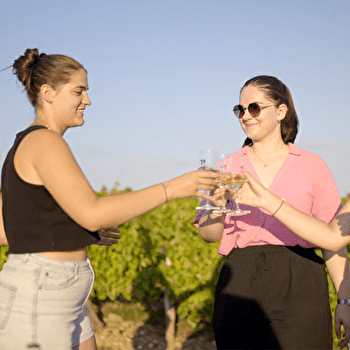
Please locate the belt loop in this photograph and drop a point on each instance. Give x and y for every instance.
(25, 258)
(76, 266)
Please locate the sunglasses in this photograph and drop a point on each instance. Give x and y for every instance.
(254, 110)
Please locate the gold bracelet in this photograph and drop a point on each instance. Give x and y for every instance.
(278, 208)
(166, 195)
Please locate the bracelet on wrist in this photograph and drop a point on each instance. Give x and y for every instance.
(278, 208)
(166, 195)
(344, 301)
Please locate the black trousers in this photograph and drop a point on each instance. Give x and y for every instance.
(273, 297)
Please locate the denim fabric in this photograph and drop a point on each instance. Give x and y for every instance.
(42, 303)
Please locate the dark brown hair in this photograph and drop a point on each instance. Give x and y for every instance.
(34, 70)
(278, 92)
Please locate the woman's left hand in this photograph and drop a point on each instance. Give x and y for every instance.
(108, 238)
(220, 196)
(342, 318)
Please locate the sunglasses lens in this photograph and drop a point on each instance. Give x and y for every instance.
(238, 111)
(254, 109)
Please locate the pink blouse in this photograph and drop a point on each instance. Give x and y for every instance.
(304, 181)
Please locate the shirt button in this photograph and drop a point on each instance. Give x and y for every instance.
(255, 237)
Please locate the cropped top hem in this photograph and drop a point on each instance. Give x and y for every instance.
(43, 250)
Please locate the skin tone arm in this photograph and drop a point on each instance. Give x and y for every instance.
(332, 236)
(211, 224)
(3, 239)
(52, 163)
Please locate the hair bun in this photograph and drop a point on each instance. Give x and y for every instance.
(24, 65)
(34, 70)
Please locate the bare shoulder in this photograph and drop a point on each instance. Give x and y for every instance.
(39, 149)
(43, 141)
(40, 137)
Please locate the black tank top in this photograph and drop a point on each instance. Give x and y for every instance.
(33, 220)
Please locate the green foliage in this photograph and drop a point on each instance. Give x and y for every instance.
(345, 199)
(3, 255)
(160, 250)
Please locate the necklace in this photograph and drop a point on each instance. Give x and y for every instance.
(266, 164)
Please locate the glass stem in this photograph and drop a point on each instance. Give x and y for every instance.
(224, 207)
(237, 206)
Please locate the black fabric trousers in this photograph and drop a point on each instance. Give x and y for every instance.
(273, 297)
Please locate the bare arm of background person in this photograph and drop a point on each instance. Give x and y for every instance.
(3, 239)
(332, 236)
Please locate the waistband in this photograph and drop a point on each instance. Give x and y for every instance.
(37, 259)
(270, 250)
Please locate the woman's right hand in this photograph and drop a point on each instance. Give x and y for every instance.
(253, 193)
(190, 184)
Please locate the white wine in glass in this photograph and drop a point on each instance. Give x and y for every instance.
(235, 181)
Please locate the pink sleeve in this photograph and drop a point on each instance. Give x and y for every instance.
(327, 201)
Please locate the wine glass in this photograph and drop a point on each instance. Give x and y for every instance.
(207, 161)
(223, 166)
(235, 181)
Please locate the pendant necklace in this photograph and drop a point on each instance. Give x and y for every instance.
(266, 164)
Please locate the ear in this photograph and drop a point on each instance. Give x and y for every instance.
(47, 93)
(282, 111)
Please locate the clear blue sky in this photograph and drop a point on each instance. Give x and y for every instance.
(164, 76)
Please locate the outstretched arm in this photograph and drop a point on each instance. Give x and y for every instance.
(333, 236)
(55, 165)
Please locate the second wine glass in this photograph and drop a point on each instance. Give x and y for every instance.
(235, 180)
(222, 166)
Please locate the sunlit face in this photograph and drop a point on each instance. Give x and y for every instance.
(266, 125)
(70, 100)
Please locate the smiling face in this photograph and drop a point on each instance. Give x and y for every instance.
(267, 125)
(69, 101)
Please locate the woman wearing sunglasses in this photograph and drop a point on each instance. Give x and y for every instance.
(272, 292)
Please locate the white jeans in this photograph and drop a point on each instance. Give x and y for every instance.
(42, 302)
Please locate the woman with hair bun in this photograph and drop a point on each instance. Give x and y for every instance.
(51, 213)
(272, 292)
